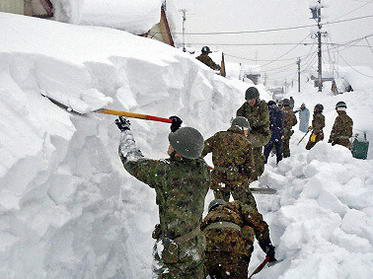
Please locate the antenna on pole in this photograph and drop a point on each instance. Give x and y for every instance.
(183, 11)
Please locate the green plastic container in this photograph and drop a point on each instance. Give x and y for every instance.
(360, 147)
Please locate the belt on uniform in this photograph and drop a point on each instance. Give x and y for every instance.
(223, 225)
(188, 236)
(342, 137)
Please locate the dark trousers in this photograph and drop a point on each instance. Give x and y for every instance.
(278, 146)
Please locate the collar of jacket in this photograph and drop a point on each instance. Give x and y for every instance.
(235, 129)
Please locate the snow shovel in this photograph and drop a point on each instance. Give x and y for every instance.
(108, 111)
(303, 137)
(263, 191)
(260, 267)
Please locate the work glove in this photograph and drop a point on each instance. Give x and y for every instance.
(270, 252)
(176, 123)
(123, 123)
(313, 137)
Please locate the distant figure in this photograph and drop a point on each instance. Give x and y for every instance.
(230, 229)
(291, 102)
(275, 118)
(304, 118)
(289, 121)
(256, 111)
(206, 59)
(318, 124)
(342, 128)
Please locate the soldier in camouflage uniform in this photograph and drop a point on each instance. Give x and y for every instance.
(342, 128)
(233, 162)
(230, 229)
(256, 111)
(290, 120)
(318, 123)
(181, 184)
(206, 59)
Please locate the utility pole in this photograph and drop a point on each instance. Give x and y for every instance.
(319, 53)
(298, 63)
(184, 19)
(316, 15)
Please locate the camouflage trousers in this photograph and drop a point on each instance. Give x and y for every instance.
(310, 144)
(179, 259)
(286, 143)
(225, 265)
(239, 189)
(259, 160)
(344, 142)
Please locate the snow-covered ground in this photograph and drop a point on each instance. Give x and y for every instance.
(69, 210)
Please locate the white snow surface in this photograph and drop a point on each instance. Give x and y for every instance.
(136, 17)
(70, 210)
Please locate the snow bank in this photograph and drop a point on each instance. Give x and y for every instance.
(136, 17)
(68, 209)
(322, 220)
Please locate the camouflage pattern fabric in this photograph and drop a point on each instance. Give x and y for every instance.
(205, 59)
(260, 134)
(233, 164)
(290, 120)
(228, 250)
(181, 186)
(342, 130)
(318, 124)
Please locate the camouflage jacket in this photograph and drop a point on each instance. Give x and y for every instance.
(258, 117)
(230, 150)
(318, 123)
(232, 240)
(205, 59)
(181, 186)
(289, 119)
(342, 128)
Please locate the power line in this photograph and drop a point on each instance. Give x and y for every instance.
(263, 44)
(273, 29)
(349, 65)
(286, 53)
(350, 12)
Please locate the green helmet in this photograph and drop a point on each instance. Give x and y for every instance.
(286, 102)
(319, 108)
(252, 93)
(341, 104)
(215, 203)
(188, 142)
(241, 122)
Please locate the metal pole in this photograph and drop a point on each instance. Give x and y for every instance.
(319, 48)
(184, 19)
(298, 62)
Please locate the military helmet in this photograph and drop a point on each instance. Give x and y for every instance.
(206, 50)
(241, 122)
(319, 108)
(286, 102)
(252, 93)
(271, 103)
(215, 203)
(341, 104)
(187, 141)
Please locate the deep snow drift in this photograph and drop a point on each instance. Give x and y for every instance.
(69, 210)
(136, 17)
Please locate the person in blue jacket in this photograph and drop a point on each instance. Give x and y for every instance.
(276, 122)
(304, 118)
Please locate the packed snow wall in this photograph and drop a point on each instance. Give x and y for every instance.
(68, 208)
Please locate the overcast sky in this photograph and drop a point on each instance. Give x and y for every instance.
(239, 15)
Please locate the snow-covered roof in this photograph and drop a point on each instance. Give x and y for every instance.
(136, 17)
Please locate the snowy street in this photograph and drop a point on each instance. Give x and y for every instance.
(68, 209)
